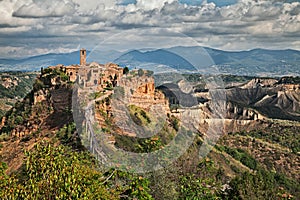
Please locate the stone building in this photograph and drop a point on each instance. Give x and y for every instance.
(92, 74)
(72, 72)
(99, 76)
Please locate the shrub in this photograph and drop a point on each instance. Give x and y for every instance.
(140, 72)
(126, 70)
(38, 85)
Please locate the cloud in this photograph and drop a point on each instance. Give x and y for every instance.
(241, 24)
(41, 8)
(152, 4)
(262, 12)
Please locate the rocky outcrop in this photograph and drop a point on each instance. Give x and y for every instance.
(259, 82)
(46, 107)
(242, 113)
(40, 96)
(141, 92)
(271, 99)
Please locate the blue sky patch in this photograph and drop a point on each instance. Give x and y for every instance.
(191, 2)
(221, 3)
(126, 2)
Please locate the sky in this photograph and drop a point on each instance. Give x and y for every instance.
(33, 27)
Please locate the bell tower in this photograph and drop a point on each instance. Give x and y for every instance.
(82, 57)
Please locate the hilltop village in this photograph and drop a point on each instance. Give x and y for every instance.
(99, 79)
(139, 85)
(110, 73)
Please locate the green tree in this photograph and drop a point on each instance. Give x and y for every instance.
(193, 188)
(150, 145)
(126, 70)
(19, 120)
(55, 172)
(262, 185)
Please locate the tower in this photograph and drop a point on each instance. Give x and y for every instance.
(82, 57)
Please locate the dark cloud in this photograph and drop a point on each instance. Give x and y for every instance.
(295, 10)
(8, 26)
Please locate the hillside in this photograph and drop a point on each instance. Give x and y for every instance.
(255, 160)
(14, 86)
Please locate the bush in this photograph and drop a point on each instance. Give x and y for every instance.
(126, 70)
(64, 77)
(38, 85)
(194, 188)
(262, 185)
(242, 156)
(140, 72)
(174, 122)
(149, 73)
(19, 120)
(56, 173)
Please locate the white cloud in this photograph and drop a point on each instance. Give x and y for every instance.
(152, 4)
(242, 25)
(41, 8)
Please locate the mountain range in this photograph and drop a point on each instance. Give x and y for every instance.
(256, 62)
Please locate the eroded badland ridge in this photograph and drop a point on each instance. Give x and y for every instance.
(260, 135)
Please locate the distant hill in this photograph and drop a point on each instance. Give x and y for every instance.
(259, 62)
(256, 62)
(36, 62)
(157, 57)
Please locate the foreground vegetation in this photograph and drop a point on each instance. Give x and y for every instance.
(61, 168)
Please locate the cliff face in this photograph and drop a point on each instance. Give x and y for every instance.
(44, 111)
(46, 108)
(242, 113)
(138, 96)
(271, 99)
(140, 91)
